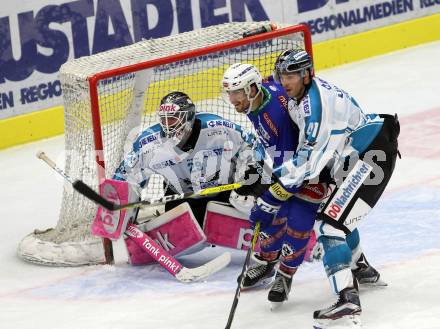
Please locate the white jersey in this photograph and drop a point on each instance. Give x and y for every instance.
(220, 148)
(332, 126)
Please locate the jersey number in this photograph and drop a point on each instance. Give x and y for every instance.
(312, 130)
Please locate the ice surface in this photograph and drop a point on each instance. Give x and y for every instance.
(401, 237)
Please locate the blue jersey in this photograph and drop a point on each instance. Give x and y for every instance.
(276, 131)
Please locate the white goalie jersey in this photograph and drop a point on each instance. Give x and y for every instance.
(219, 149)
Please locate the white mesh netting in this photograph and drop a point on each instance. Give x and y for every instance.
(127, 103)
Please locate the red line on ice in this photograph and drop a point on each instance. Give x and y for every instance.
(420, 134)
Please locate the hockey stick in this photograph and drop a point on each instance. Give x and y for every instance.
(181, 273)
(89, 193)
(106, 243)
(243, 272)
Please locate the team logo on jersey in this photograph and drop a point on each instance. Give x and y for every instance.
(270, 123)
(283, 101)
(148, 139)
(224, 123)
(306, 106)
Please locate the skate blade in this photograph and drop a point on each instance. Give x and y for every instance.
(349, 321)
(378, 284)
(274, 306)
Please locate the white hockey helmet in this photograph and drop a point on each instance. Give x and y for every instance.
(242, 77)
(176, 116)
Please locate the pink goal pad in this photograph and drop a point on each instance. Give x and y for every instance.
(227, 227)
(111, 224)
(176, 231)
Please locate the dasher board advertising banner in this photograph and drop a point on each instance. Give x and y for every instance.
(38, 36)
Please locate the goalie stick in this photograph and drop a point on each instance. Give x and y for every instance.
(106, 243)
(90, 194)
(181, 273)
(243, 272)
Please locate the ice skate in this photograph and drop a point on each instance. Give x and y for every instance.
(260, 274)
(345, 313)
(366, 275)
(280, 290)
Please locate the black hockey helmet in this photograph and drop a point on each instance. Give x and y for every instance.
(293, 60)
(177, 114)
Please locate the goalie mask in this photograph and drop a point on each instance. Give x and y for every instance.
(292, 61)
(237, 82)
(176, 116)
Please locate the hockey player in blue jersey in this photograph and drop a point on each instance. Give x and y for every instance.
(359, 150)
(284, 236)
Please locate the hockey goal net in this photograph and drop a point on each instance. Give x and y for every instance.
(111, 96)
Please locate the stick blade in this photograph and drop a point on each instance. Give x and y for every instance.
(202, 272)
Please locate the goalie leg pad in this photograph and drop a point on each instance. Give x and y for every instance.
(111, 224)
(177, 231)
(226, 226)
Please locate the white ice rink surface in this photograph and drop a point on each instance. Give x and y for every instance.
(401, 237)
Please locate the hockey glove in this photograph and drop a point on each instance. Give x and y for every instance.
(268, 204)
(263, 212)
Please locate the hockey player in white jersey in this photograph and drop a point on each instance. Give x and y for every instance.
(191, 151)
(358, 150)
